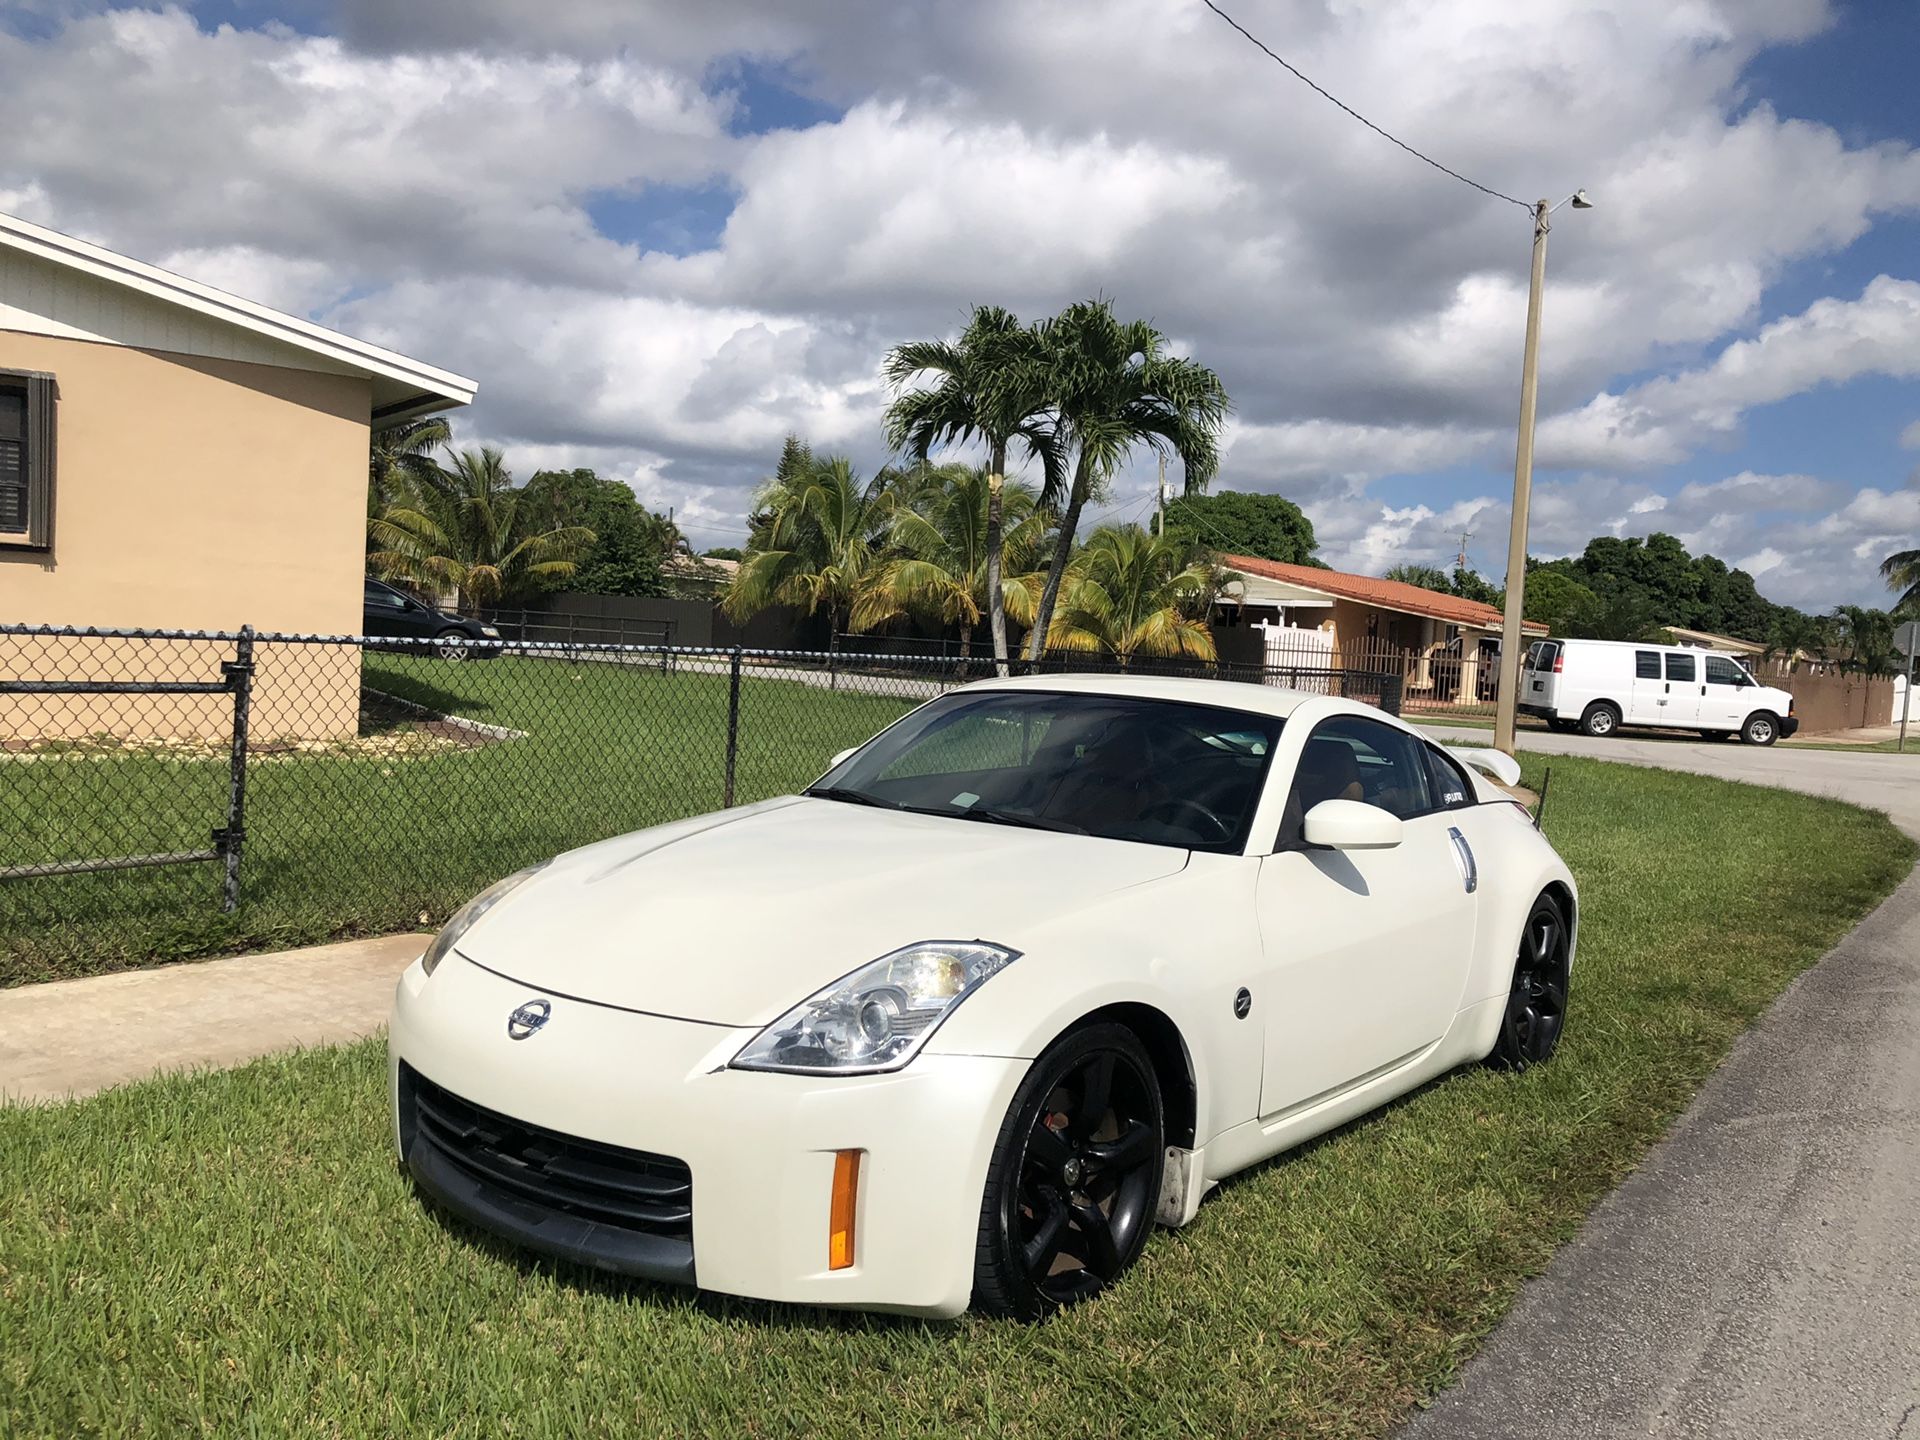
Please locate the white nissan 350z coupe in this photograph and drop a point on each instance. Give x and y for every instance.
(1028, 972)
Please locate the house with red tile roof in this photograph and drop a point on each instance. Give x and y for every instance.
(1445, 647)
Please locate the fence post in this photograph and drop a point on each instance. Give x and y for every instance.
(733, 724)
(231, 840)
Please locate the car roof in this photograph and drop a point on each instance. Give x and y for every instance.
(1222, 694)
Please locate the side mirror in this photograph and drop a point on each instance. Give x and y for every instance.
(844, 755)
(1350, 825)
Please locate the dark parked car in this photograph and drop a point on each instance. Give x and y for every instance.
(392, 613)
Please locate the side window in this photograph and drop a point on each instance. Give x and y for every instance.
(1352, 758)
(381, 598)
(1680, 667)
(1722, 671)
(1451, 787)
(1646, 664)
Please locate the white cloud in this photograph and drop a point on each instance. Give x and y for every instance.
(425, 178)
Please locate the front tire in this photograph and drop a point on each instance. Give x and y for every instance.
(1600, 718)
(455, 645)
(1536, 1012)
(1075, 1177)
(1761, 728)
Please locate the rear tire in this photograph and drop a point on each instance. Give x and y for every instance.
(1600, 718)
(1075, 1178)
(1761, 728)
(1536, 1012)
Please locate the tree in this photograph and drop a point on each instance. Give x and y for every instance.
(723, 552)
(400, 460)
(1561, 603)
(1623, 617)
(1794, 634)
(991, 385)
(940, 521)
(470, 531)
(1239, 522)
(1901, 571)
(1113, 387)
(630, 542)
(1131, 594)
(1471, 585)
(1427, 577)
(1868, 637)
(822, 534)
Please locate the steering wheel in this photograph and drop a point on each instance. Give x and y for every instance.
(1208, 822)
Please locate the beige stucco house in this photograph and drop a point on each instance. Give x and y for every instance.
(172, 456)
(1444, 647)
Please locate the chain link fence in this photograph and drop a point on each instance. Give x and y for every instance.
(172, 794)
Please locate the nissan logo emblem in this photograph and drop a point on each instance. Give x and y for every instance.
(528, 1019)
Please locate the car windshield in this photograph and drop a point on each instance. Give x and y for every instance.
(1161, 772)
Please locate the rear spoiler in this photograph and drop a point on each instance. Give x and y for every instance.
(1495, 763)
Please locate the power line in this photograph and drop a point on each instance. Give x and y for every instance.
(1483, 189)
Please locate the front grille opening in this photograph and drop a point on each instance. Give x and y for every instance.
(544, 1169)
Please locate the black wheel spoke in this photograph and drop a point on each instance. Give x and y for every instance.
(1102, 1256)
(1047, 1149)
(1096, 1090)
(1133, 1147)
(1043, 1248)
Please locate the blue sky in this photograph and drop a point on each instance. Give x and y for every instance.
(662, 237)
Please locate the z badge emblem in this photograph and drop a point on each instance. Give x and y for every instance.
(528, 1019)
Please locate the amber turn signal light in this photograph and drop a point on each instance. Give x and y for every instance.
(846, 1194)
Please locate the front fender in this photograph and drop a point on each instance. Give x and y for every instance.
(1182, 945)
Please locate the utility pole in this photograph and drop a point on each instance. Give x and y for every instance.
(1461, 562)
(1507, 700)
(1160, 500)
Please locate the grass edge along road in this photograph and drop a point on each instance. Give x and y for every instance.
(235, 1253)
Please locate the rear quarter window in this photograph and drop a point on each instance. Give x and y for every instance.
(1451, 786)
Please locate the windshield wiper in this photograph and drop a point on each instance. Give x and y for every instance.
(852, 797)
(1012, 817)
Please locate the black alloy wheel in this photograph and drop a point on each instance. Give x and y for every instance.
(1075, 1178)
(1537, 1001)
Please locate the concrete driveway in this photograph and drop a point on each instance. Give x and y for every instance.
(1759, 1276)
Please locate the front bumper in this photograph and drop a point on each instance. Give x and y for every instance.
(1788, 726)
(759, 1148)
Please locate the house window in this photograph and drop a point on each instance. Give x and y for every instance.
(26, 459)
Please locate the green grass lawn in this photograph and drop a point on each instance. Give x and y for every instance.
(236, 1254)
(369, 840)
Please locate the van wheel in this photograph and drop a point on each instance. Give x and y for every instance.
(1601, 718)
(1761, 728)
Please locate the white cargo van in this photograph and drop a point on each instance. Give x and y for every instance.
(1599, 685)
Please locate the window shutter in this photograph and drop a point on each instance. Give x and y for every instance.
(40, 407)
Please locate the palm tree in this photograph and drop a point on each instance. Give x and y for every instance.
(1794, 635)
(822, 530)
(1114, 387)
(943, 519)
(1131, 594)
(400, 460)
(990, 385)
(1868, 636)
(468, 530)
(1901, 571)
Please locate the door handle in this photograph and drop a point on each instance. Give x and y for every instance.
(1463, 856)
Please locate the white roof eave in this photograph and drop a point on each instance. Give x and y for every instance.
(438, 389)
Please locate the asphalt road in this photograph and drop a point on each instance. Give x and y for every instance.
(1759, 1276)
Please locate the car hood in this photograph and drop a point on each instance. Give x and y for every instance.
(735, 918)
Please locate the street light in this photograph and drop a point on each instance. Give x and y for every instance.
(1511, 659)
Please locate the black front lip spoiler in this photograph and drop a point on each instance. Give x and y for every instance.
(551, 1232)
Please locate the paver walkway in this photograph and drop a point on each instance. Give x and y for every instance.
(1759, 1275)
(74, 1037)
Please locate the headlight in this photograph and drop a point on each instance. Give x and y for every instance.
(464, 918)
(490, 632)
(878, 1017)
